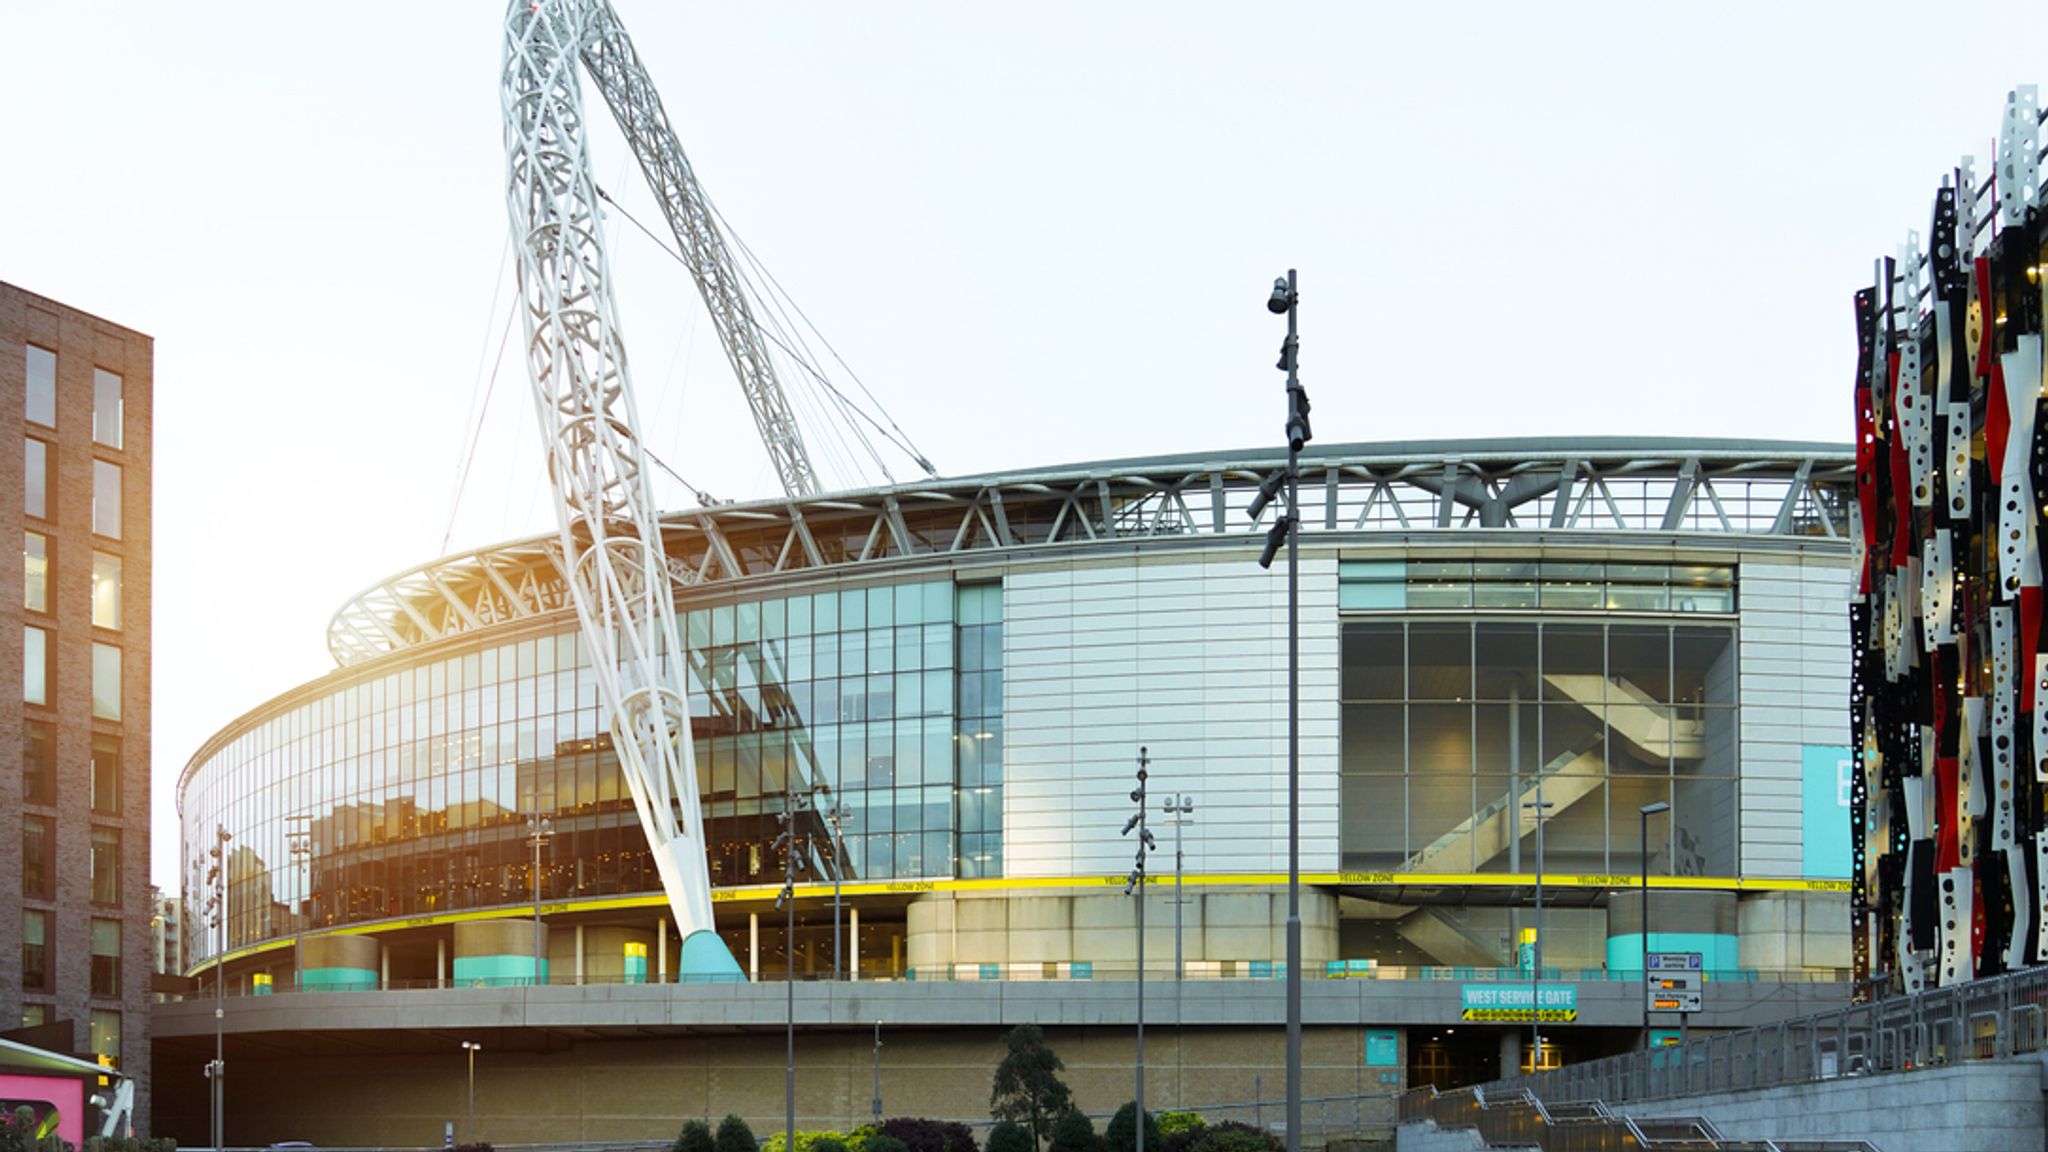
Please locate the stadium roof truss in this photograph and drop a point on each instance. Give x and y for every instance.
(1735, 489)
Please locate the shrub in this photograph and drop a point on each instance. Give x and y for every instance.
(1009, 1136)
(695, 1137)
(883, 1142)
(1074, 1133)
(1174, 1123)
(807, 1142)
(1231, 1136)
(857, 1138)
(21, 1132)
(734, 1136)
(920, 1135)
(1122, 1133)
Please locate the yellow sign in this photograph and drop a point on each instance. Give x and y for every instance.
(1518, 1015)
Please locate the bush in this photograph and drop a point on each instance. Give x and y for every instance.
(1231, 1136)
(20, 1133)
(1172, 1124)
(734, 1136)
(883, 1142)
(1122, 1133)
(808, 1142)
(857, 1138)
(920, 1135)
(1010, 1136)
(130, 1144)
(1074, 1133)
(695, 1137)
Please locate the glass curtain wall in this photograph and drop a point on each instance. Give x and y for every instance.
(1449, 725)
(412, 789)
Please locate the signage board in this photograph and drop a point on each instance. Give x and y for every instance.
(1382, 1048)
(1674, 982)
(1510, 1003)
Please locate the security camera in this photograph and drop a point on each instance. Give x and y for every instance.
(1281, 300)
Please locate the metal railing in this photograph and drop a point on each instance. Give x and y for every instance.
(1513, 1116)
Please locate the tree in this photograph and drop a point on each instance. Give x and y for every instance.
(1028, 1087)
(695, 1137)
(880, 1142)
(1074, 1133)
(735, 1136)
(920, 1135)
(1121, 1135)
(1009, 1136)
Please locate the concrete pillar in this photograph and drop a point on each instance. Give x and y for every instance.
(1511, 1051)
(661, 950)
(853, 942)
(579, 954)
(754, 946)
(383, 965)
(441, 963)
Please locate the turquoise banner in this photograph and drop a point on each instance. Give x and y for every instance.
(496, 971)
(1825, 774)
(1382, 1049)
(1718, 954)
(337, 980)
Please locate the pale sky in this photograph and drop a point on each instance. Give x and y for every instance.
(1040, 233)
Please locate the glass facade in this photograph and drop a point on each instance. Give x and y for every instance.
(413, 786)
(1452, 721)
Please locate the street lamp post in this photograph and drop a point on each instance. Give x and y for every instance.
(299, 843)
(471, 1047)
(833, 816)
(876, 1103)
(1287, 530)
(1180, 807)
(217, 906)
(1647, 811)
(1136, 884)
(1536, 941)
(539, 831)
(793, 862)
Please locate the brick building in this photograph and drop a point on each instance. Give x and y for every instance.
(75, 900)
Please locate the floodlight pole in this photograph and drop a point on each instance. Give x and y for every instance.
(1137, 887)
(540, 830)
(1297, 435)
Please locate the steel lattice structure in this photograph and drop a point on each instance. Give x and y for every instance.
(612, 560)
(1358, 491)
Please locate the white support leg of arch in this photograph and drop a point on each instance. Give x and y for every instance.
(610, 533)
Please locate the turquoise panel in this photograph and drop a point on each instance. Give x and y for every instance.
(1382, 1049)
(636, 970)
(1824, 775)
(1082, 970)
(1372, 585)
(338, 980)
(496, 971)
(706, 960)
(1718, 954)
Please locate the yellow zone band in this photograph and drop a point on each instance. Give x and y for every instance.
(1518, 1015)
(764, 893)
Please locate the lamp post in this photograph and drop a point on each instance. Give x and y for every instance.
(1180, 807)
(1647, 811)
(833, 816)
(298, 840)
(217, 908)
(792, 863)
(876, 1103)
(1287, 530)
(1536, 941)
(472, 1048)
(1136, 884)
(539, 831)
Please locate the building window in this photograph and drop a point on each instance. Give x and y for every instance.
(38, 857)
(35, 665)
(106, 1034)
(106, 774)
(105, 865)
(978, 731)
(106, 499)
(106, 682)
(106, 408)
(106, 591)
(106, 957)
(35, 480)
(35, 577)
(38, 779)
(42, 386)
(34, 1015)
(35, 951)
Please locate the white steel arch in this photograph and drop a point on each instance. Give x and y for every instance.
(612, 555)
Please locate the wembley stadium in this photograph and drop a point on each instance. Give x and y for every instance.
(1512, 653)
